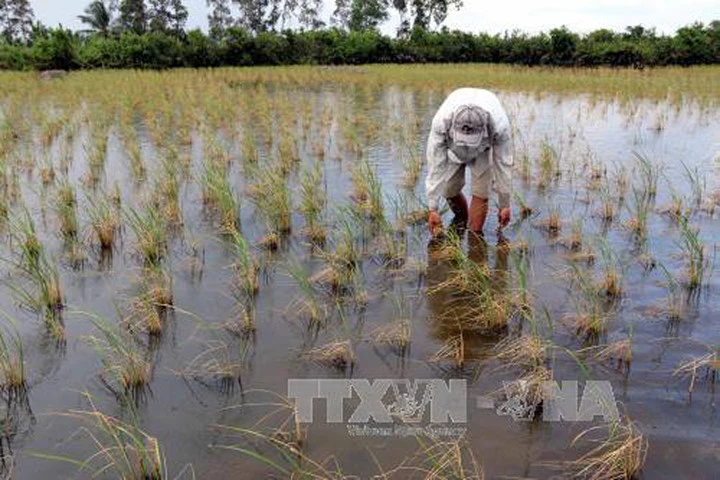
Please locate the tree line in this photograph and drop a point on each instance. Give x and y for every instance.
(153, 34)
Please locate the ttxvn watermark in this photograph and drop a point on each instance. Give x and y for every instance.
(437, 407)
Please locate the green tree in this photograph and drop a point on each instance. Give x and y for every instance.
(16, 20)
(714, 32)
(308, 14)
(167, 16)
(422, 14)
(56, 51)
(358, 15)
(220, 17)
(638, 32)
(98, 17)
(133, 16)
(266, 15)
(368, 14)
(259, 15)
(693, 45)
(563, 45)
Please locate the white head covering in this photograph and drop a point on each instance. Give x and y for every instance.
(470, 131)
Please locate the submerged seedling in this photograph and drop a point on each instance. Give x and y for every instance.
(150, 233)
(308, 303)
(452, 349)
(270, 194)
(694, 250)
(620, 454)
(104, 219)
(639, 211)
(339, 355)
(124, 450)
(312, 203)
(649, 172)
(244, 266)
(218, 194)
(126, 369)
(709, 362)
(368, 191)
(12, 358)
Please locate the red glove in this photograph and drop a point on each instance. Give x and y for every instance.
(434, 221)
(504, 217)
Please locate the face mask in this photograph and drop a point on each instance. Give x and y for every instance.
(465, 153)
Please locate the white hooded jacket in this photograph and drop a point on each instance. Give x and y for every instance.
(443, 162)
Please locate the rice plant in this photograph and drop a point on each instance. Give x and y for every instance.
(165, 196)
(147, 311)
(270, 195)
(281, 430)
(529, 354)
(288, 151)
(412, 168)
(675, 300)
(522, 296)
(649, 172)
(47, 171)
(474, 306)
(123, 449)
(312, 203)
(575, 240)
(244, 266)
(12, 358)
(549, 164)
(368, 190)
(39, 287)
(104, 220)
(218, 195)
(697, 182)
(65, 194)
(308, 304)
(694, 251)
(131, 144)
(65, 208)
(619, 352)
(709, 363)
(343, 258)
(526, 211)
(553, 222)
(453, 349)
(591, 312)
(390, 244)
(619, 453)
(622, 181)
(639, 212)
(126, 370)
(397, 333)
(217, 366)
(150, 233)
(611, 283)
(607, 205)
(249, 149)
(23, 231)
(436, 459)
(676, 209)
(339, 355)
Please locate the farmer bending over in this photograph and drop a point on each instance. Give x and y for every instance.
(470, 129)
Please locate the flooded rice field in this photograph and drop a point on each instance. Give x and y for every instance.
(177, 246)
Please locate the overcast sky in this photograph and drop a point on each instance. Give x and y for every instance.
(488, 16)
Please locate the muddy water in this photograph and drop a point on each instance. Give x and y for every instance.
(184, 414)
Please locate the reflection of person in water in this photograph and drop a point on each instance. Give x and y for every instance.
(439, 270)
(471, 129)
